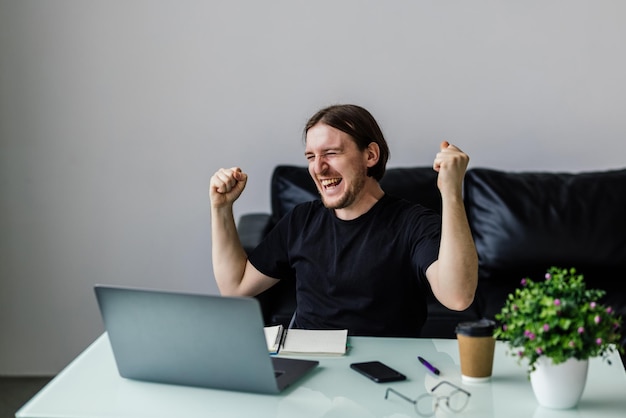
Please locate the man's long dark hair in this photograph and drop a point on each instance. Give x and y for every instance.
(360, 125)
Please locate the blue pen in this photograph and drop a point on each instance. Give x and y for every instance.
(428, 365)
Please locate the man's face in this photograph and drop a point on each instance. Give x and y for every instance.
(337, 166)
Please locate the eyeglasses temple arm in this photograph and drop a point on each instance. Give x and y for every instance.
(413, 401)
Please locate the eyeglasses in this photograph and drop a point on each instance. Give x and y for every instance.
(427, 403)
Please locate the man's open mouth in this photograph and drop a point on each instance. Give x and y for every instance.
(330, 183)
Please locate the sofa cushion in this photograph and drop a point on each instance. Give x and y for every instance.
(290, 185)
(525, 222)
(415, 184)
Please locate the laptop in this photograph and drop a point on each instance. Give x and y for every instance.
(193, 340)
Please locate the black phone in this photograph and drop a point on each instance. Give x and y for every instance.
(377, 371)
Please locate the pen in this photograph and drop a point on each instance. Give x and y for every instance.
(428, 365)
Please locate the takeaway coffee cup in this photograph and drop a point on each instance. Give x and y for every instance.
(476, 348)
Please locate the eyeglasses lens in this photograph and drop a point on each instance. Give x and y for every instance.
(426, 405)
(457, 400)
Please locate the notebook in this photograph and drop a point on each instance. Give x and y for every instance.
(193, 340)
(311, 342)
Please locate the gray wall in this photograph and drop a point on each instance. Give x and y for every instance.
(114, 115)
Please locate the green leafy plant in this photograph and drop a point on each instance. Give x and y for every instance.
(558, 318)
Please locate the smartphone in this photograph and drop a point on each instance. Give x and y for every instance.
(377, 371)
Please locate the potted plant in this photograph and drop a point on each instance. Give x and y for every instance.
(555, 322)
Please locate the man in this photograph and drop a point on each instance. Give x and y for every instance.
(362, 259)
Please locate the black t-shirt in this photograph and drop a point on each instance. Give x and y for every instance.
(366, 274)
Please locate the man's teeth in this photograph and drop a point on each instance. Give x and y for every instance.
(330, 182)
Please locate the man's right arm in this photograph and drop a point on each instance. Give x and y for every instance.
(234, 274)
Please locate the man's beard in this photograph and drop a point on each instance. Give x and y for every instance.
(348, 197)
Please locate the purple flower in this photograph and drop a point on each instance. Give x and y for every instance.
(609, 310)
(529, 335)
(546, 327)
(557, 302)
(592, 305)
(524, 282)
(599, 341)
(539, 351)
(596, 319)
(504, 327)
(548, 276)
(581, 330)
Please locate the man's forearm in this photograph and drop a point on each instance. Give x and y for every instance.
(458, 260)
(229, 257)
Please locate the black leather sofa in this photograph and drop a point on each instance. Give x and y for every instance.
(522, 223)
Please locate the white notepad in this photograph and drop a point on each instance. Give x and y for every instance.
(306, 341)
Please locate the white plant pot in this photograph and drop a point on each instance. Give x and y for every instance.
(559, 386)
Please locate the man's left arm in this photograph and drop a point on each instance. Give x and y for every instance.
(454, 276)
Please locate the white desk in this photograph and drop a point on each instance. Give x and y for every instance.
(91, 387)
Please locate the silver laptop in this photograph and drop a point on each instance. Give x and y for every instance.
(194, 340)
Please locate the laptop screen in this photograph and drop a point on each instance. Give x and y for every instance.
(188, 339)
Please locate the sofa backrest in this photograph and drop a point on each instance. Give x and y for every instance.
(292, 185)
(525, 222)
